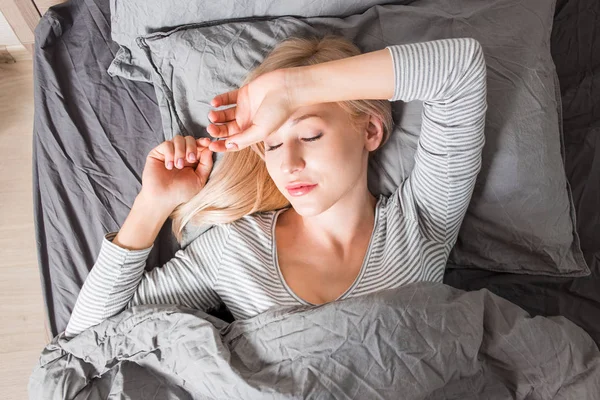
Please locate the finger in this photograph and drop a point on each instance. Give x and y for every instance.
(244, 139)
(190, 148)
(205, 164)
(159, 152)
(219, 146)
(179, 143)
(227, 129)
(225, 99)
(168, 150)
(201, 143)
(206, 158)
(222, 115)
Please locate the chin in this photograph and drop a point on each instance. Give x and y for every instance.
(308, 208)
(306, 211)
(309, 205)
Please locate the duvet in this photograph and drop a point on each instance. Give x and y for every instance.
(421, 341)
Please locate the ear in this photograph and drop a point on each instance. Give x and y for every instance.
(373, 133)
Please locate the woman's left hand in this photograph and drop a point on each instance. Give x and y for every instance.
(261, 107)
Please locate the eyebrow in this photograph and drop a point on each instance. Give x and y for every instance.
(303, 117)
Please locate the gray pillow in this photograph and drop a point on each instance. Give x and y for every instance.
(521, 217)
(132, 18)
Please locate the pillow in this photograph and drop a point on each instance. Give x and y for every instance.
(133, 18)
(521, 216)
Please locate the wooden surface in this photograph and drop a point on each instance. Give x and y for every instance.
(22, 16)
(11, 54)
(44, 5)
(23, 332)
(5, 56)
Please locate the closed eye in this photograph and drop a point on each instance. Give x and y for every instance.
(312, 139)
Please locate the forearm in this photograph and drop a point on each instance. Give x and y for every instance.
(428, 71)
(366, 76)
(119, 267)
(141, 227)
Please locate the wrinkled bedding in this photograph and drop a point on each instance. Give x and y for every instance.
(424, 340)
(575, 48)
(421, 341)
(90, 128)
(133, 18)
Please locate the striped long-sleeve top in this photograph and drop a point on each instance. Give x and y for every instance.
(415, 227)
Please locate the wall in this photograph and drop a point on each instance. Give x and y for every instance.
(7, 36)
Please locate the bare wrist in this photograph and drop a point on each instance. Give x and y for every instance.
(145, 220)
(299, 85)
(158, 205)
(364, 76)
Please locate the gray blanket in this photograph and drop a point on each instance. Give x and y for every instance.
(421, 341)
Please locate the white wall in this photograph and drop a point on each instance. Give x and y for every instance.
(7, 36)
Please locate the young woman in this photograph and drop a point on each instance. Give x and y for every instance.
(294, 221)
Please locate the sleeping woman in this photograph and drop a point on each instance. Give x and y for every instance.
(293, 222)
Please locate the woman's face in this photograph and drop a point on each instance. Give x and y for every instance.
(319, 145)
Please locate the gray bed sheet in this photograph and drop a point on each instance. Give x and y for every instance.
(92, 132)
(421, 341)
(520, 217)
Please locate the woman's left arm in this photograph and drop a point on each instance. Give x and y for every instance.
(367, 76)
(449, 76)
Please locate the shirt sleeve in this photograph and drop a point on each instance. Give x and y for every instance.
(118, 279)
(449, 76)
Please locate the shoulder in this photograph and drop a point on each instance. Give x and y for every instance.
(256, 224)
(253, 226)
(195, 234)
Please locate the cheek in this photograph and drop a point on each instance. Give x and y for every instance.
(346, 151)
(338, 157)
(347, 161)
(272, 170)
(333, 164)
(269, 167)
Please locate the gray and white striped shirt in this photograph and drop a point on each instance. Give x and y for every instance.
(415, 227)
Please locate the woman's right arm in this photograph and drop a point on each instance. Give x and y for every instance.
(118, 279)
(122, 258)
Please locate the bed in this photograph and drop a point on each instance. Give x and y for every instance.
(86, 119)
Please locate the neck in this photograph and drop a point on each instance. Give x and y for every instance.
(338, 228)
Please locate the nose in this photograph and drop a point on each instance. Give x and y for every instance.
(291, 160)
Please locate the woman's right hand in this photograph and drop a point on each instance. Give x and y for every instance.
(176, 170)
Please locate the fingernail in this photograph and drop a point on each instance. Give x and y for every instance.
(192, 157)
(170, 165)
(231, 145)
(180, 163)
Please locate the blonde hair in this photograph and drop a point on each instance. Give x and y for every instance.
(240, 184)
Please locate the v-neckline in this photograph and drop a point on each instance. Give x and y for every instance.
(363, 267)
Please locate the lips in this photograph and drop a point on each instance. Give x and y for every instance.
(299, 185)
(300, 190)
